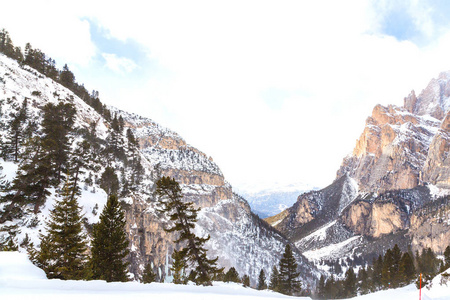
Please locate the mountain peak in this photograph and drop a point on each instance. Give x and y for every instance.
(434, 100)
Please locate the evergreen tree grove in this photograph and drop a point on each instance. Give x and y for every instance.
(110, 244)
(183, 215)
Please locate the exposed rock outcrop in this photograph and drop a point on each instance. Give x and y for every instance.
(399, 161)
(437, 165)
(391, 151)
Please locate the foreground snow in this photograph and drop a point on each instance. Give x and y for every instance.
(20, 279)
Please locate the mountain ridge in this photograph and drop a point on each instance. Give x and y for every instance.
(400, 169)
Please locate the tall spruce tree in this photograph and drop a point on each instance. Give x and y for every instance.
(377, 272)
(363, 281)
(288, 279)
(349, 283)
(56, 125)
(407, 271)
(184, 215)
(262, 285)
(110, 244)
(63, 249)
(394, 270)
(274, 283)
(386, 271)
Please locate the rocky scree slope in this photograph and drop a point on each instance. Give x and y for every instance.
(238, 237)
(398, 169)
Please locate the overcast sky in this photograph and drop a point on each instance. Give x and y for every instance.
(274, 91)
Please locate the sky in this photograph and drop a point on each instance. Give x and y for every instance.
(276, 92)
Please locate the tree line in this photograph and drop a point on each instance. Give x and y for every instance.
(392, 270)
(45, 65)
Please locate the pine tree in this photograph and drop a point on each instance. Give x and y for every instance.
(3, 182)
(246, 281)
(57, 123)
(109, 181)
(261, 281)
(78, 161)
(183, 215)
(16, 131)
(363, 280)
(350, 283)
(110, 244)
(394, 270)
(274, 283)
(447, 257)
(386, 274)
(30, 186)
(288, 279)
(377, 270)
(331, 288)
(407, 271)
(321, 288)
(428, 263)
(232, 276)
(148, 275)
(178, 268)
(66, 77)
(63, 248)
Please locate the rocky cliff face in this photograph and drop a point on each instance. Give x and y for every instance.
(400, 165)
(392, 150)
(402, 147)
(436, 168)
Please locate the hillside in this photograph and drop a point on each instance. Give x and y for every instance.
(139, 151)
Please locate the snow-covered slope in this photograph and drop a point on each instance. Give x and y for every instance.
(227, 218)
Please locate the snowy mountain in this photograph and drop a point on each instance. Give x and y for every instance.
(393, 189)
(238, 236)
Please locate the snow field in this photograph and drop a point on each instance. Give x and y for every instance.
(20, 279)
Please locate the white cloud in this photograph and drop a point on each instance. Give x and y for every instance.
(216, 59)
(52, 26)
(117, 64)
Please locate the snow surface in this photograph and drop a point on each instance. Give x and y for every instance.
(331, 251)
(20, 279)
(320, 234)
